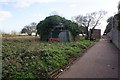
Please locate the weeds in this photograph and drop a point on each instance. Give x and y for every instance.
(37, 59)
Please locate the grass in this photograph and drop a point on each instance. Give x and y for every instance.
(26, 59)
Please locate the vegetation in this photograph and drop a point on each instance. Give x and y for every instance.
(113, 21)
(29, 29)
(109, 26)
(90, 20)
(46, 26)
(8, 35)
(20, 38)
(25, 59)
(31, 58)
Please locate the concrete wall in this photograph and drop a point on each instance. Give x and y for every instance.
(115, 36)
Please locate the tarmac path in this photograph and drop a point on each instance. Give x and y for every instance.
(100, 61)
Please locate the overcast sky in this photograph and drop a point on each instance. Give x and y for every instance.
(15, 14)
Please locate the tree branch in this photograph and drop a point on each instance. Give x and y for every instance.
(88, 23)
(97, 21)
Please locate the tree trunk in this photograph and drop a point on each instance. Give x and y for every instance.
(87, 33)
(82, 34)
(86, 29)
(29, 34)
(91, 32)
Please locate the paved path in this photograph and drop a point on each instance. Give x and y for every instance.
(100, 61)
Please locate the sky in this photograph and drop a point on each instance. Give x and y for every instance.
(15, 14)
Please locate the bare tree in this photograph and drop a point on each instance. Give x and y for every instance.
(29, 29)
(90, 20)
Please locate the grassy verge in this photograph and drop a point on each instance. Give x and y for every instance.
(24, 59)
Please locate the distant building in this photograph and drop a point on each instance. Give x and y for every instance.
(96, 34)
